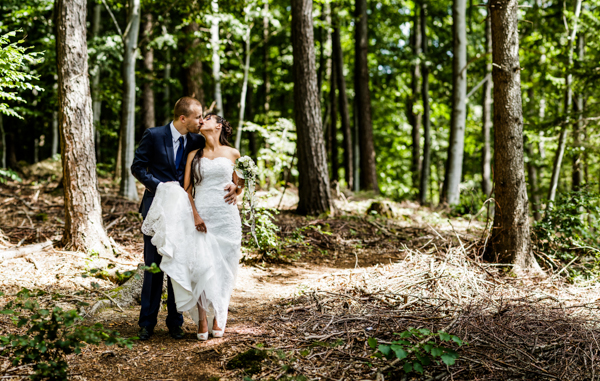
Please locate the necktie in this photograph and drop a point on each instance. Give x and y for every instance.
(179, 155)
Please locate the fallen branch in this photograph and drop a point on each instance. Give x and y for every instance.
(23, 250)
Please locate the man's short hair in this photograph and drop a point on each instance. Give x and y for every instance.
(184, 107)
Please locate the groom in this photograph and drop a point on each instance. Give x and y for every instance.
(161, 157)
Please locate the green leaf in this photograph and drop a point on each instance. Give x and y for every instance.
(436, 351)
(408, 367)
(448, 359)
(399, 351)
(444, 336)
(418, 367)
(385, 349)
(372, 342)
(457, 340)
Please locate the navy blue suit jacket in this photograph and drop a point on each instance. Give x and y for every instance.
(154, 160)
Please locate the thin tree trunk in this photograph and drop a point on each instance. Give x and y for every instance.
(356, 147)
(83, 212)
(414, 117)
(193, 72)
(3, 137)
(149, 116)
(96, 99)
(167, 88)
(579, 127)
(533, 183)
(368, 169)
(215, 43)
(456, 144)
(266, 78)
(252, 144)
(55, 135)
(562, 140)
(128, 188)
(335, 168)
(36, 150)
(314, 192)
(510, 240)
(486, 183)
(238, 136)
(426, 163)
(338, 57)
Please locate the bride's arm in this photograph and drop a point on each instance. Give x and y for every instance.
(188, 185)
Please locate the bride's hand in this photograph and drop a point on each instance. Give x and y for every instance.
(200, 225)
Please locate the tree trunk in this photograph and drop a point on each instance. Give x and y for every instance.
(83, 212)
(96, 99)
(356, 147)
(128, 188)
(486, 182)
(266, 78)
(562, 140)
(415, 117)
(426, 163)
(215, 43)
(36, 150)
(456, 144)
(578, 157)
(55, 135)
(368, 170)
(335, 169)
(149, 116)
(167, 88)
(3, 142)
(510, 241)
(314, 192)
(238, 135)
(338, 59)
(533, 183)
(193, 72)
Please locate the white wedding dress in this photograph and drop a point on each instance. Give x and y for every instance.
(202, 266)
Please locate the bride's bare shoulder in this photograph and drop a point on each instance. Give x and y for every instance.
(233, 153)
(192, 154)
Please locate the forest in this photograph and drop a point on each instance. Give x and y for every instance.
(427, 195)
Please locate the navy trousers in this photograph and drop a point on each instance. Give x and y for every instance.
(152, 292)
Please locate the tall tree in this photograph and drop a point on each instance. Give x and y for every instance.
(55, 134)
(215, 42)
(568, 100)
(149, 115)
(335, 169)
(426, 163)
(266, 78)
(167, 88)
(486, 172)
(193, 69)
(414, 116)
(314, 192)
(130, 40)
(96, 99)
(247, 52)
(368, 170)
(459, 104)
(83, 212)
(578, 131)
(510, 241)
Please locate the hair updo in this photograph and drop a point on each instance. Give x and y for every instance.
(226, 132)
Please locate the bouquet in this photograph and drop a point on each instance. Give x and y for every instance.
(247, 170)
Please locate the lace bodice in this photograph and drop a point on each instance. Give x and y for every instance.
(216, 175)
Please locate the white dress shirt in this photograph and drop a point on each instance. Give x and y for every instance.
(176, 136)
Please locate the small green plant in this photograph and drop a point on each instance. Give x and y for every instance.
(416, 356)
(10, 175)
(50, 335)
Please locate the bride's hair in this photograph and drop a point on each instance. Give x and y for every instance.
(226, 132)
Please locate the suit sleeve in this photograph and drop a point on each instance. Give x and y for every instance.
(141, 161)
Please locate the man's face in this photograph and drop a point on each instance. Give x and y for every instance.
(194, 121)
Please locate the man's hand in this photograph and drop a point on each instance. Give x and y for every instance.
(231, 196)
(199, 222)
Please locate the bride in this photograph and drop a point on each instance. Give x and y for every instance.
(198, 233)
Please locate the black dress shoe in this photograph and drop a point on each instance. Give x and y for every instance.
(176, 333)
(144, 334)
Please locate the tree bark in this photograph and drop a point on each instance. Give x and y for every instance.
(414, 117)
(266, 78)
(533, 183)
(215, 43)
(167, 88)
(368, 170)
(562, 140)
(193, 72)
(338, 59)
(486, 172)
(83, 212)
(128, 188)
(459, 104)
(149, 116)
(96, 99)
(426, 163)
(55, 135)
(335, 169)
(578, 157)
(238, 136)
(314, 192)
(510, 241)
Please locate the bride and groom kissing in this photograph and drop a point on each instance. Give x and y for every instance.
(192, 227)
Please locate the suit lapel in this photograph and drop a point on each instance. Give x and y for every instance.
(169, 147)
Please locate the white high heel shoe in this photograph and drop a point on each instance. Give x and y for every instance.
(202, 336)
(217, 334)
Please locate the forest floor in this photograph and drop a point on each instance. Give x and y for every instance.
(347, 278)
